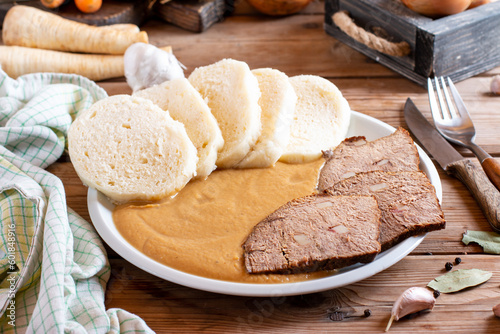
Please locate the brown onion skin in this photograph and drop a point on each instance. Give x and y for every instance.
(437, 8)
(476, 3)
(279, 7)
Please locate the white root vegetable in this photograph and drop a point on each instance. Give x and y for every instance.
(146, 66)
(35, 28)
(18, 60)
(132, 28)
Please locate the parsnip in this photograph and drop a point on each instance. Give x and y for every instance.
(18, 60)
(35, 28)
(122, 27)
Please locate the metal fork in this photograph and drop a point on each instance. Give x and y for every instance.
(453, 122)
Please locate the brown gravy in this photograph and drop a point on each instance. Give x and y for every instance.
(200, 231)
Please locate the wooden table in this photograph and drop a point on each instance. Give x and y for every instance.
(298, 45)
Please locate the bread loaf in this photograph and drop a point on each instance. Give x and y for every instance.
(321, 120)
(278, 105)
(232, 93)
(130, 149)
(186, 105)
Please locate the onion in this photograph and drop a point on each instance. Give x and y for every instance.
(279, 7)
(435, 8)
(476, 3)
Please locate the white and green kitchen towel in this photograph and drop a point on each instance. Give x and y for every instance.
(53, 266)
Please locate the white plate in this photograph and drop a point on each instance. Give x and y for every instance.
(361, 125)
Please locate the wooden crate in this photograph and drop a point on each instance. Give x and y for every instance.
(194, 15)
(459, 46)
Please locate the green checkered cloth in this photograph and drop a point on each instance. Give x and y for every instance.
(53, 266)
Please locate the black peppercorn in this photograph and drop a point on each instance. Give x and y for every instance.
(437, 293)
(368, 313)
(458, 260)
(448, 266)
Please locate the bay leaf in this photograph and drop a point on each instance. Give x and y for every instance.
(490, 241)
(459, 279)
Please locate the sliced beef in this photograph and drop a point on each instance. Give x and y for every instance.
(316, 232)
(393, 153)
(407, 200)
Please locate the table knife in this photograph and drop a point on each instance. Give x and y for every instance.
(483, 191)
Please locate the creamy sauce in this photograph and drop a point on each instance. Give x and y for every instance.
(200, 231)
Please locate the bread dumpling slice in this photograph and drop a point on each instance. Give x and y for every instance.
(130, 149)
(321, 119)
(186, 105)
(232, 93)
(278, 105)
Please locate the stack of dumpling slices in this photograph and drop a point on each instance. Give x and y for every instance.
(150, 145)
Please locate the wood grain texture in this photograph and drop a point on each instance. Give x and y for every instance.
(297, 44)
(492, 169)
(444, 46)
(487, 196)
(185, 310)
(194, 15)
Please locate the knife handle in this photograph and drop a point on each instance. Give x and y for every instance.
(492, 169)
(483, 191)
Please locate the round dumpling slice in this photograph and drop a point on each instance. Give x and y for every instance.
(277, 102)
(186, 105)
(321, 119)
(232, 93)
(131, 150)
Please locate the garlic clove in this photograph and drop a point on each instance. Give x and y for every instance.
(496, 310)
(495, 85)
(412, 300)
(145, 65)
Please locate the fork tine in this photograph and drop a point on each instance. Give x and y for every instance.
(449, 102)
(436, 113)
(462, 109)
(444, 109)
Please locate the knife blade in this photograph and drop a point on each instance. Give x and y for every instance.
(483, 191)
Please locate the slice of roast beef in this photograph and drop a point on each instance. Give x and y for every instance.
(393, 153)
(316, 232)
(407, 200)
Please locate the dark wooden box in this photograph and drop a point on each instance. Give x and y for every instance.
(194, 15)
(458, 46)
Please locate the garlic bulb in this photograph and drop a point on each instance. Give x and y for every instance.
(412, 300)
(146, 66)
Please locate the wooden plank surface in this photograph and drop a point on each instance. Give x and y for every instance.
(298, 45)
(194, 15)
(170, 308)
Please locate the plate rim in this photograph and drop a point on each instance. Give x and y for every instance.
(97, 203)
